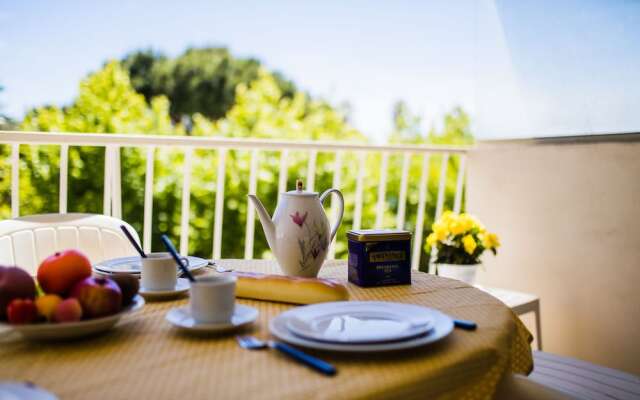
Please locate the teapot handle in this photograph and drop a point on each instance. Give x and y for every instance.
(336, 224)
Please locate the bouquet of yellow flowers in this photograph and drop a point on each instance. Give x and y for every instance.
(460, 239)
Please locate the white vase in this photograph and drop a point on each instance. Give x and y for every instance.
(464, 273)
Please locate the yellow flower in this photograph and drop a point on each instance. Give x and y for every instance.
(469, 244)
(490, 240)
(447, 216)
(441, 231)
(477, 223)
(431, 240)
(463, 223)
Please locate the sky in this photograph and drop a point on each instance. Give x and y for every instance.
(520, 68)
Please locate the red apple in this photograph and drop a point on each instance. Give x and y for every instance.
(22, 311)
(68, 310)
(58, 273)
(98, 296)
(14, 283)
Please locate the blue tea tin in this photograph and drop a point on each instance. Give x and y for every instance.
(379, 257)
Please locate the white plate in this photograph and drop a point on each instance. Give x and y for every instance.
(181, 318)
(182, 286)
(73, 330)
(131, 265)
(442, 327)
(24, 390)
(360, 321)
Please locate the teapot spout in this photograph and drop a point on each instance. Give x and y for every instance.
(267, 224)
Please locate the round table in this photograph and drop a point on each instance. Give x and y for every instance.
(146, 358)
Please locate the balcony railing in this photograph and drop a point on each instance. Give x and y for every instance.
(112, 201)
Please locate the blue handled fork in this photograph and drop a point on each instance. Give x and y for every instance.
(252, 343)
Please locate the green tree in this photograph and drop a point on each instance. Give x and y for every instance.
(108, 103)
(201, 80)
(6, 123)
(406, 125)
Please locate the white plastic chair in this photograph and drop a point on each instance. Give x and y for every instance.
(26, 241)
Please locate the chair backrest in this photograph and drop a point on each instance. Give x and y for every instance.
(26, 241)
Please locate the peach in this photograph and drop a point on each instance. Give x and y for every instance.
(47, 305)
(58, 273)
(14, 283)
(68, 310)
(22, 311)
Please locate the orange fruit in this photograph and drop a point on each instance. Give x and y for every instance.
(58, 273)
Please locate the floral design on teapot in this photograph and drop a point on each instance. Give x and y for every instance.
(314, 241)
(299, 220)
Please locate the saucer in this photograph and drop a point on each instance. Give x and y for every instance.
(182, 286)
(180, 317)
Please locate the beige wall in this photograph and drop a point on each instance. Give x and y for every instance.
(568, 213)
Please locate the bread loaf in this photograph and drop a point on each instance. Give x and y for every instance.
(288, 289)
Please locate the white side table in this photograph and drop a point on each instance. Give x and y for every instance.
(520, 303)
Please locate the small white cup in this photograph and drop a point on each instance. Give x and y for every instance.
(159, 272)
(212, 299)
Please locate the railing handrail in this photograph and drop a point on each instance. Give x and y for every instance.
(119, 139)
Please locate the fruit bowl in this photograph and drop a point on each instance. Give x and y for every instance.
(73, 330)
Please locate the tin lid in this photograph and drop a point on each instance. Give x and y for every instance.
(378, 235)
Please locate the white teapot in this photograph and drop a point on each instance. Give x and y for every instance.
(299, 234)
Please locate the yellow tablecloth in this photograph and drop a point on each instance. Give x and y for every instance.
(145, 358)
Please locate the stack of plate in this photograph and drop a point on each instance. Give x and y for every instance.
(131, 265)
(361, 326)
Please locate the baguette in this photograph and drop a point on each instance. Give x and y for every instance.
(288, 289)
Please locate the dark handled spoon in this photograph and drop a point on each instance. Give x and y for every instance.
(174, 253)
(133, 241)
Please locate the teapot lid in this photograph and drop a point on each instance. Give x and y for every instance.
(299, 190)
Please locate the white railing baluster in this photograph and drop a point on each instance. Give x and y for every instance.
(311, 170)
(457, 204)
(251, 218)
(116, 189)
(64, 174)
(337, 177)
(439, 205)
(422, 199)
(282, 177)
(15, 180)
(382, 189)
(106, 195)
(185, 212)
(148, 200)
(402, 200)
(219, 211)
(442, 184)
(357, 213)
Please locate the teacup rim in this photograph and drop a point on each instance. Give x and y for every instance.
(214, 280)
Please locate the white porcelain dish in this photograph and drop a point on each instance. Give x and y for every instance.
(73, 330)
(442, 327)
(182, 286)
(181, 318)
(360, 321)
(132, 265)
(24, 390)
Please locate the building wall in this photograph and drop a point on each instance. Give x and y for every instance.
(568, 214)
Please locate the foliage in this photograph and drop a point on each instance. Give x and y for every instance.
(6, 123)
(460, 239)
(108, 102)
(202, 80)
